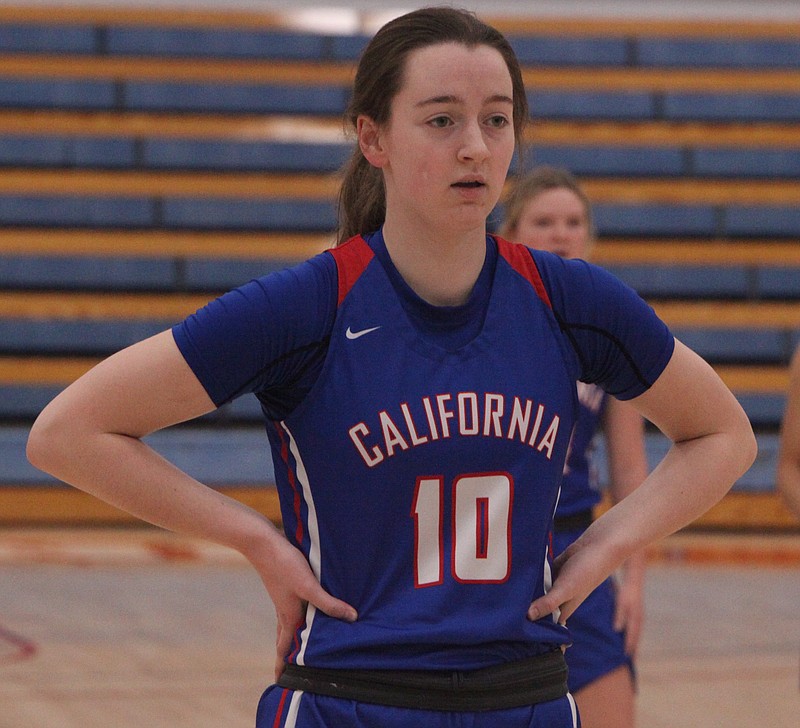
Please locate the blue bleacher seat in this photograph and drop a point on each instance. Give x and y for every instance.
(40, 93)
(760, 221)
(85, 272)
(16, 468)
(348, 47)
(654, 220)
(215, 274)
(612, 160)
(306, 215)
(237, 214)
(81, 337)
(73, 211)
(685, 281)
(765, 409)
(63, 151)
(744, 163)
(25, 402)
(569, 51)
(198, 154)
(46, 38)
(737, 345)
(731, 107)
(32, 151)
(760, 477)
(619, 105)
(218, 457)
(540, 50)
(774, 281)
(101, 152)
(214, 42)
(233, 98)
(729, 52)
(241, 155)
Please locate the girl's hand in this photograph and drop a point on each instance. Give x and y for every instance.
(292, 587)
(577, 571)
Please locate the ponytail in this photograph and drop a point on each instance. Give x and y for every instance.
(361, 206)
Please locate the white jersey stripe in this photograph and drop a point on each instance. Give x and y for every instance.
(548, 582)
(548, 575)
(314, 556)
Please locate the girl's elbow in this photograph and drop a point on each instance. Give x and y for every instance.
(37, 446)
(752, 449)
(746, 444)
(42, 445)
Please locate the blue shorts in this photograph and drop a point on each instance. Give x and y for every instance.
(283, 708)
(597, 648)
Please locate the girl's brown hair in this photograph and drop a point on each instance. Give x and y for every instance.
(379, 77)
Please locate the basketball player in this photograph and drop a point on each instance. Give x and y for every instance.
(788, 475)
(548, 210)
(418, 383)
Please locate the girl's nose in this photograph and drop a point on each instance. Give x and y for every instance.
(473, 146)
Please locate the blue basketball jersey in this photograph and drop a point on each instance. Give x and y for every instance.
(579, 489)
(418, 451)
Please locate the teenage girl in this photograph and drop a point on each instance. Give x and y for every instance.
(418, 386)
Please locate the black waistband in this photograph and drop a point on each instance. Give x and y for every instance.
(579, 521)
(510, 685)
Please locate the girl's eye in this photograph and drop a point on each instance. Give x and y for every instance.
(498, 121)
(440, 121)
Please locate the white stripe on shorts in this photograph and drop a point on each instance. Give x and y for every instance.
(294, 707)
(574, 709)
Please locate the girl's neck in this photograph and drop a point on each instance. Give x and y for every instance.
(440, 271)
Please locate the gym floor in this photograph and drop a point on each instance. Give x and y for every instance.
(137, 627)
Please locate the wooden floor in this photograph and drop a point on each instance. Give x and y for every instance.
(133, 627)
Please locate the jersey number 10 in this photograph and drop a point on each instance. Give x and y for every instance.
(480, 536)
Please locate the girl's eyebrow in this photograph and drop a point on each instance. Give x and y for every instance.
(439, 100)
(450, 99)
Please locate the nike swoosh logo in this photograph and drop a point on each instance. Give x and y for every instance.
(355, 334)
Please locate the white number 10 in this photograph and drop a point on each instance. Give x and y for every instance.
(481, 529)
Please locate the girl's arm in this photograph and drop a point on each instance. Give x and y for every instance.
(90, 436)
(623, 429)
(788, 472)
(713, 445)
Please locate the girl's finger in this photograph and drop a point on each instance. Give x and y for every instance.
(541, 607)
(335, 608)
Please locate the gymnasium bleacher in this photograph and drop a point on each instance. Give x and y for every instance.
(151, 161)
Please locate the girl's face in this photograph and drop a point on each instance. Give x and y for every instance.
(555, 220)
(449, 141)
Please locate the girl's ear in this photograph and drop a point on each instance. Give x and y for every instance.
(369, 141)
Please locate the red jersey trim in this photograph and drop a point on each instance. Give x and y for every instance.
(351, 257)
(292, 478)
(521, 260)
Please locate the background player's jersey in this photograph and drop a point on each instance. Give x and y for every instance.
(579, 490)
(418, 450)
